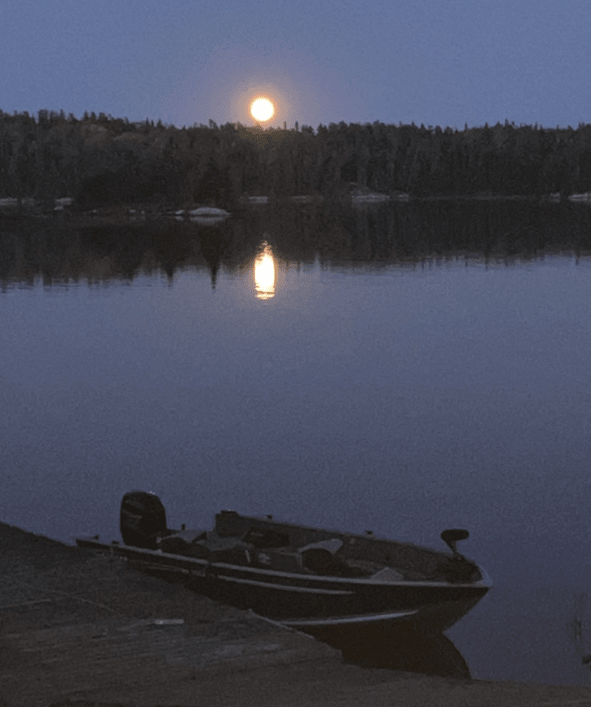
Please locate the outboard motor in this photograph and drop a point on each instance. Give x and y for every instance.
(142, 519)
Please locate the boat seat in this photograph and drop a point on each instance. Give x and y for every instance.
(230, 550)
(266, 537)
(181, 542)
(322, 557)
(207, 546)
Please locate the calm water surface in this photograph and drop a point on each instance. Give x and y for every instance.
(404, 400)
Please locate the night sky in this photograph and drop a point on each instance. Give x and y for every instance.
(185, 62)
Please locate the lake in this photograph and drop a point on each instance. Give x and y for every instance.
(336, 371)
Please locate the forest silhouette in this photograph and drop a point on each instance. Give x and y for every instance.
(101, 160)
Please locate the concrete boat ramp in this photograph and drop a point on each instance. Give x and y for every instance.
(83, 630)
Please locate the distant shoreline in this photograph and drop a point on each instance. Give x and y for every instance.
(14, 207)
(103, 161)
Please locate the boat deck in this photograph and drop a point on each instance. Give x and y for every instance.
(285, 547)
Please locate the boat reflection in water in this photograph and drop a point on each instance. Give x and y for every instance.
(264, 273)
(406, 650)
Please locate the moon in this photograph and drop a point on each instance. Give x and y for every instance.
(262, 109)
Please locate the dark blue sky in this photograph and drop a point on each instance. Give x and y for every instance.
(435, 62)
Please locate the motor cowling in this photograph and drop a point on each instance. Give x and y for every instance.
(142, 519)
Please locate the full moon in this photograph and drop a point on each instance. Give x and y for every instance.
(262, 109)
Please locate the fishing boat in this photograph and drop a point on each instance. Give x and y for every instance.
(322, 582)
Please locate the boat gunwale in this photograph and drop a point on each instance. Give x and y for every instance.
(125, 550)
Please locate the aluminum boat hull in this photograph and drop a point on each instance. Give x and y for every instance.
(316, 604)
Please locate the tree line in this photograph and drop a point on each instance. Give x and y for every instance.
(99, 160)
